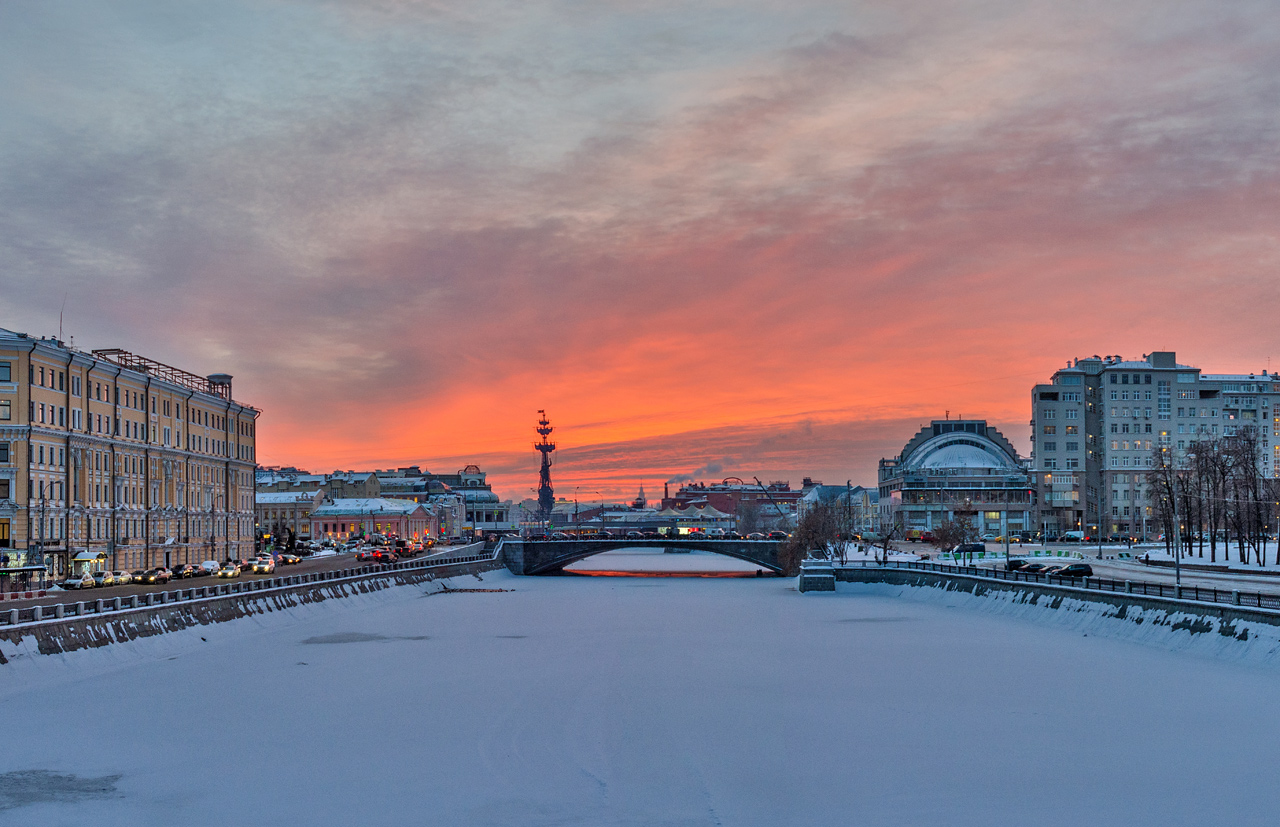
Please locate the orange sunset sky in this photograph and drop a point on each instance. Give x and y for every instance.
(710, 239)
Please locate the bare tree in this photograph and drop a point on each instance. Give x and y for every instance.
(950, 533)
(818, 535)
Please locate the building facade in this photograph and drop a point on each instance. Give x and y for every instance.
(280, 512)
(112, 457)
(346, 519)
(956, 470)
(1096, 424)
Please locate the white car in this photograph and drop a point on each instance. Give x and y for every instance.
(264, 565)
(211, 566)
(81, 581)
(122, 578)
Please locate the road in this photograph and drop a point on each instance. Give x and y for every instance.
(308, 564)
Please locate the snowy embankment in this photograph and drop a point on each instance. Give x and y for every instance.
(25, 657)
(1203, 633)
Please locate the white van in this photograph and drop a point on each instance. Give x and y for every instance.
(1073, 536)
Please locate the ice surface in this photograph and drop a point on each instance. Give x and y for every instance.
(624, 701)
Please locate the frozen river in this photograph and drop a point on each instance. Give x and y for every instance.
(638, 701)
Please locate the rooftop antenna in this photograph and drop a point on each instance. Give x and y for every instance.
(60, 312)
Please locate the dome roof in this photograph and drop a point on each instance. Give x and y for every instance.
(960, 456)
(960, 453)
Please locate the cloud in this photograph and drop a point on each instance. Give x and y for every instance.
(406, 227)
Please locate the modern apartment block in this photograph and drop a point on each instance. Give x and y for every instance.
(109, 459)
(1095, 424)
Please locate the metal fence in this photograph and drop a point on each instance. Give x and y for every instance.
(1203, 594)
(84, 608)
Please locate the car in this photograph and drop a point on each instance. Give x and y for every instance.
(1033, 568)
(122, 578)
(103, 578)
(78, 581)
(156, 575)
(755, 535)
(229, 570)
(989, 538)
(634, 535)
(1014, 564)
(210, 566)
(289, 559)
(1052, 570)
(778, 535)
(264, 565)
(137, 577)
(182, 571)
(651, 535)
(244, 565)
(716, 533)
(732, 535)
(559, 535)
(1075, 570)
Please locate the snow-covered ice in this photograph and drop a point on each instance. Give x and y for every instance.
(629, 701)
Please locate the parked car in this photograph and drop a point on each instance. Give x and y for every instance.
(1034, 568)
(634, 535)
(755, 535)
(1052, 570)
(715, 533)
(1014, 564)
(969, 548)
(156, 575)
(732, 535)
(211, 566)
(138, 577)
(1075, 570)
(78, 581)
(122, 578)
(559, 535)
(182, 571)
(778, 535)
(103, 578)
(229, 570)
(264, 565)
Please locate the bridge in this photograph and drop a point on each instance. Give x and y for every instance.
(551, 556)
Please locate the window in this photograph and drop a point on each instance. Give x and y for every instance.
(1048, 413)
(5, 411)
(1146, 412)
(1115, 445)
(1073, 429)
(6, 371)
(1073, 446)
(1114, 380)
(1072, 462)
(1186, 378)
(1114, 394)
(1071, 413)
(1115, 428)
(1124, 428)
(4, 452)
(1050, 463)
(1050, 446)
(1050, 429)
(1146, 428)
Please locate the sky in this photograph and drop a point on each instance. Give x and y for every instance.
(710, 239)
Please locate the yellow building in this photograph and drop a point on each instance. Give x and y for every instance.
(110, 453)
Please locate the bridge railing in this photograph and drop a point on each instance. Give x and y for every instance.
(1203, 594)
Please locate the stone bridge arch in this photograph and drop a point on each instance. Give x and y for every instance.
(551, 556)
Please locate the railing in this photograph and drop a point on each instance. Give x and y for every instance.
(1202, 594)
(30, 614)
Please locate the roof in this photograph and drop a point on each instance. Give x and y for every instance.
(274, 497)
(365, 506)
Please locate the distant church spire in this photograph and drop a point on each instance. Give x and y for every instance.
(639, 501)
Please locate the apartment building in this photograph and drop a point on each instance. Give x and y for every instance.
(1096, 423)
(112, 459)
